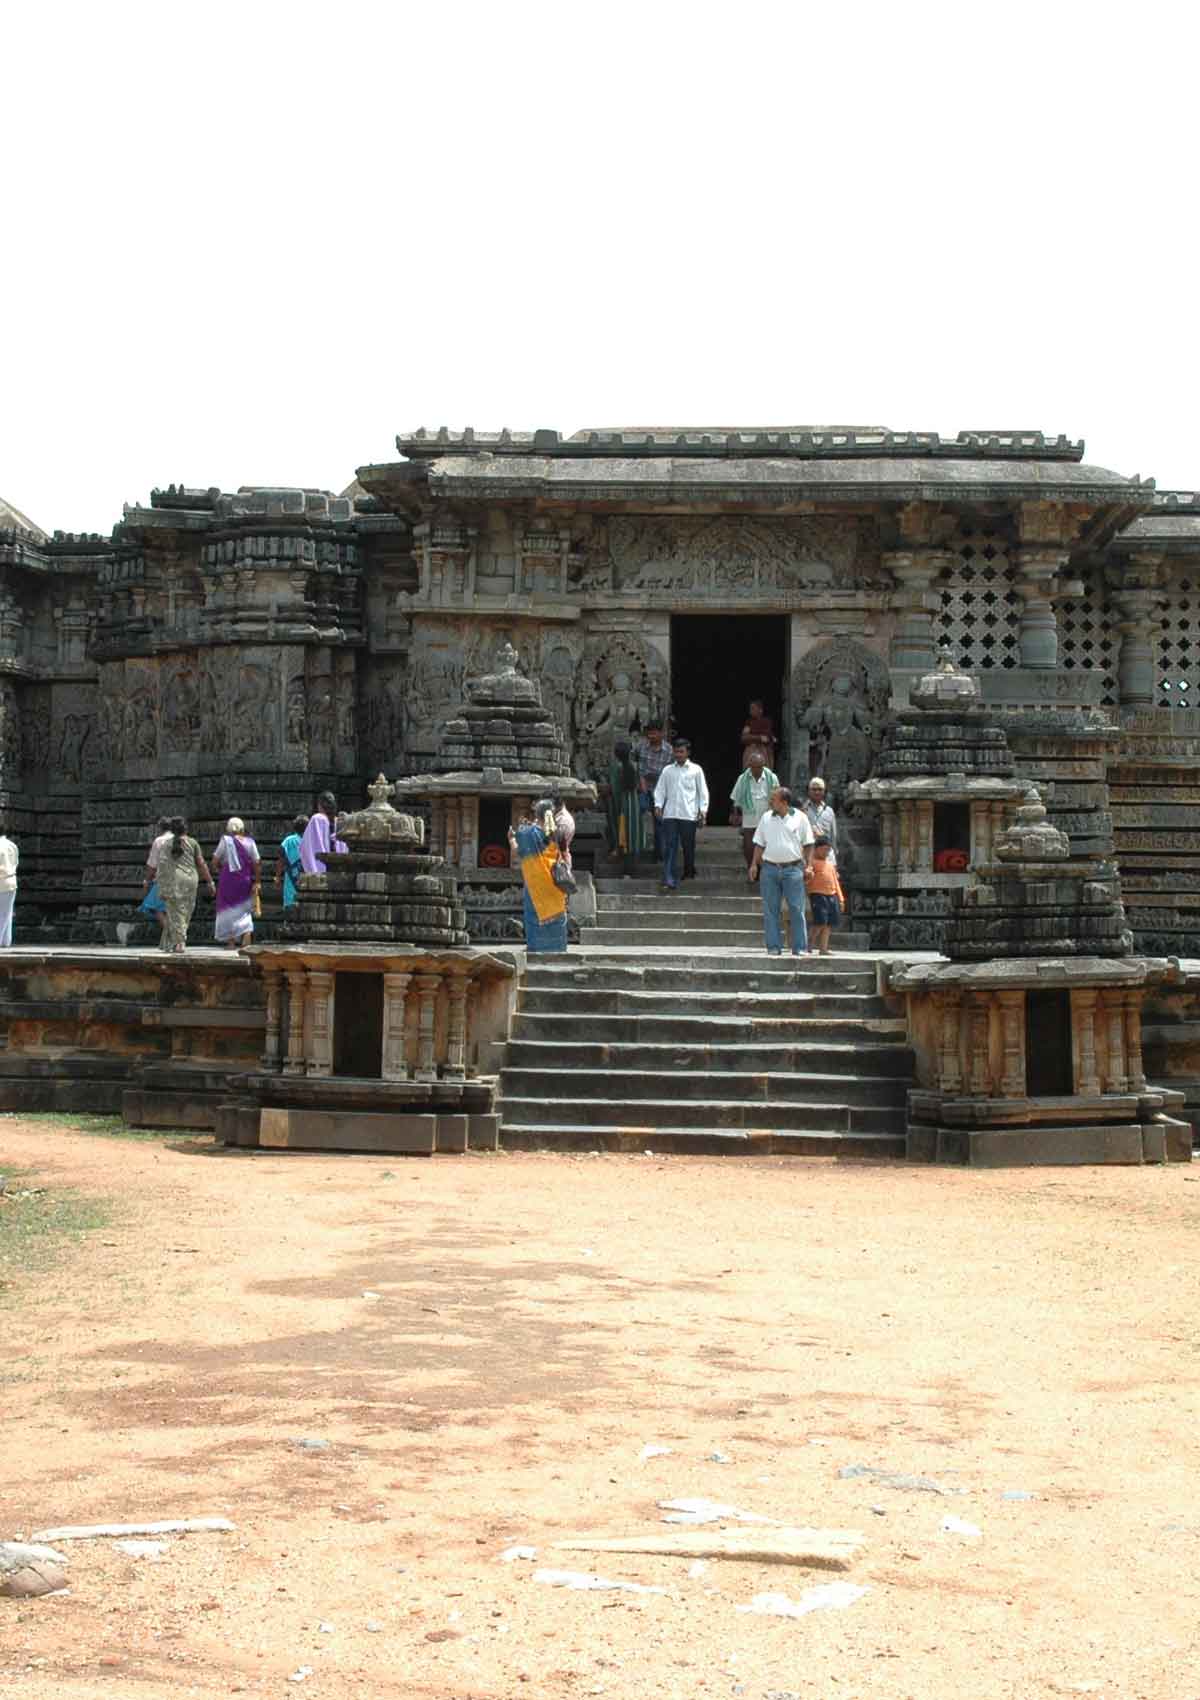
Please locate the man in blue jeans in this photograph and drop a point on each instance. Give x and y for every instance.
(783, 845)
(681, 804)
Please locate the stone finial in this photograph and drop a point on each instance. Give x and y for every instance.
(380, 821)
(948, 686)
(1031, 838)
(506, 658)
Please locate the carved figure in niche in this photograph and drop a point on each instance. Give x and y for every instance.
(617, 710)
(297, 717)
(213, 719)
(839, 735)
(75, 729)
(253, 717)
(840, 692)
(35, 735)
(558, 691)
(10, 733)
(180, 710)
(139, 725)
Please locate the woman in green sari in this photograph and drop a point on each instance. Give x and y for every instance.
(623, 809)
(181, 867)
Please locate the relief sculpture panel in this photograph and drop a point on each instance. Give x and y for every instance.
(840, 694)
(727, 555)
(622, 683)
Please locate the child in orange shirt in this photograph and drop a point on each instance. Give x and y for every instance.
(825, 892)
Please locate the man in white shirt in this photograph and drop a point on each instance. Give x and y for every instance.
(681, 804)
(8, 886)
(783, 844)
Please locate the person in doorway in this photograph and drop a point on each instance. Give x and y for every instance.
(652, 753)
(759, 729)
(9, 857)
(181, 867)
(535, 846)
(751, 797)
(152, 905)
(681, 805)
(318, 840)
(825, 893)
(238, 867)
(820, 815)
(624, 819)
(289, 867)
(783, 844)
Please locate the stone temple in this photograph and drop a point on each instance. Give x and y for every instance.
(225, 652)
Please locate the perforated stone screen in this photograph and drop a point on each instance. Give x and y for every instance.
(1085, 637)
(1178, 684)
(978, 616)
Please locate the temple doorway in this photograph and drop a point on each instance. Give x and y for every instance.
(719, 662)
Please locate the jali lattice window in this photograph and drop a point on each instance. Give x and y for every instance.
(1179, 647)
(979, 612)
(1085, 639)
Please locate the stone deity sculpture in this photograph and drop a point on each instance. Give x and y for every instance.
(616, 711)
(839, 730)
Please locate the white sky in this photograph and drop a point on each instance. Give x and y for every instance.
(249, 243)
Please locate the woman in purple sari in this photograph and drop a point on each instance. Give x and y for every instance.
(236, 856)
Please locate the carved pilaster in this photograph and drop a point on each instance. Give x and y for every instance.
(906, 850)
(1132, 1010)
(1112, 1010)
(427, 991)
(1083, 1014)
(1140, 607)
(924, 859)
(981, 834)
(395, 1007)
(456, 1028)
(915, 571)
(888, 838)
(979, 1064)
(273, 985)
(1037, 586)
(297, 984)
(949, 1007)
(1012, 1026)
(320, 994)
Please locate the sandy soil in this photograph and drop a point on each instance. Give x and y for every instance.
(539, 1320)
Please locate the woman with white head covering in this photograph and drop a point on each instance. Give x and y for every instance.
(236, 856)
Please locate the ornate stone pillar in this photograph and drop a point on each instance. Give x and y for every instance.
(1037, 585)
(437, 827)
(1001, 814)
(297, 983)
(456, 1027)
(950, 1068)
(924, 838)
(914, 644)
(273, 983)
(452, 820)
(1139, 606)
(1131, 1005)
(979, 1058)
(888, 827)
(1083, 1014)
(907, 856)
(395, 1009)
(1012, 1023)
(320, 992)
(981, 834)
(468, 842)
(427, 991)
(1112, 1006)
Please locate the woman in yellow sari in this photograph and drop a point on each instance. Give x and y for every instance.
(536, 847)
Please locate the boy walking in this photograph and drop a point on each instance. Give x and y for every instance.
(825, 893)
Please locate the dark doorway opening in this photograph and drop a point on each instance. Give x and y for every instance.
(495, 814)
(719, 662)
(1048, 1068)
(951, 828)
(358, 1025)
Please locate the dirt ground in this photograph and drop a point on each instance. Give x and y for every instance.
(487, 1344)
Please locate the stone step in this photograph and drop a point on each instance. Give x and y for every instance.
(799, 977)
(674, 1028)
(729, 937)
(802, 1059)
(823, 1117)
(735, 1007)
(647, 902)
(734, 880)
(710, 1086)
(717, 915)
(683, 1141)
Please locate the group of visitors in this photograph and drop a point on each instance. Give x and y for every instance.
(176, 869)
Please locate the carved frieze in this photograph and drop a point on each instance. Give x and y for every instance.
(740, 556)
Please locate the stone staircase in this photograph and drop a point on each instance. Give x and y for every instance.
(698, 1050)
(720, 904)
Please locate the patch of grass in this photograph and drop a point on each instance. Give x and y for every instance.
(108, 1127)
(39, 1223)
